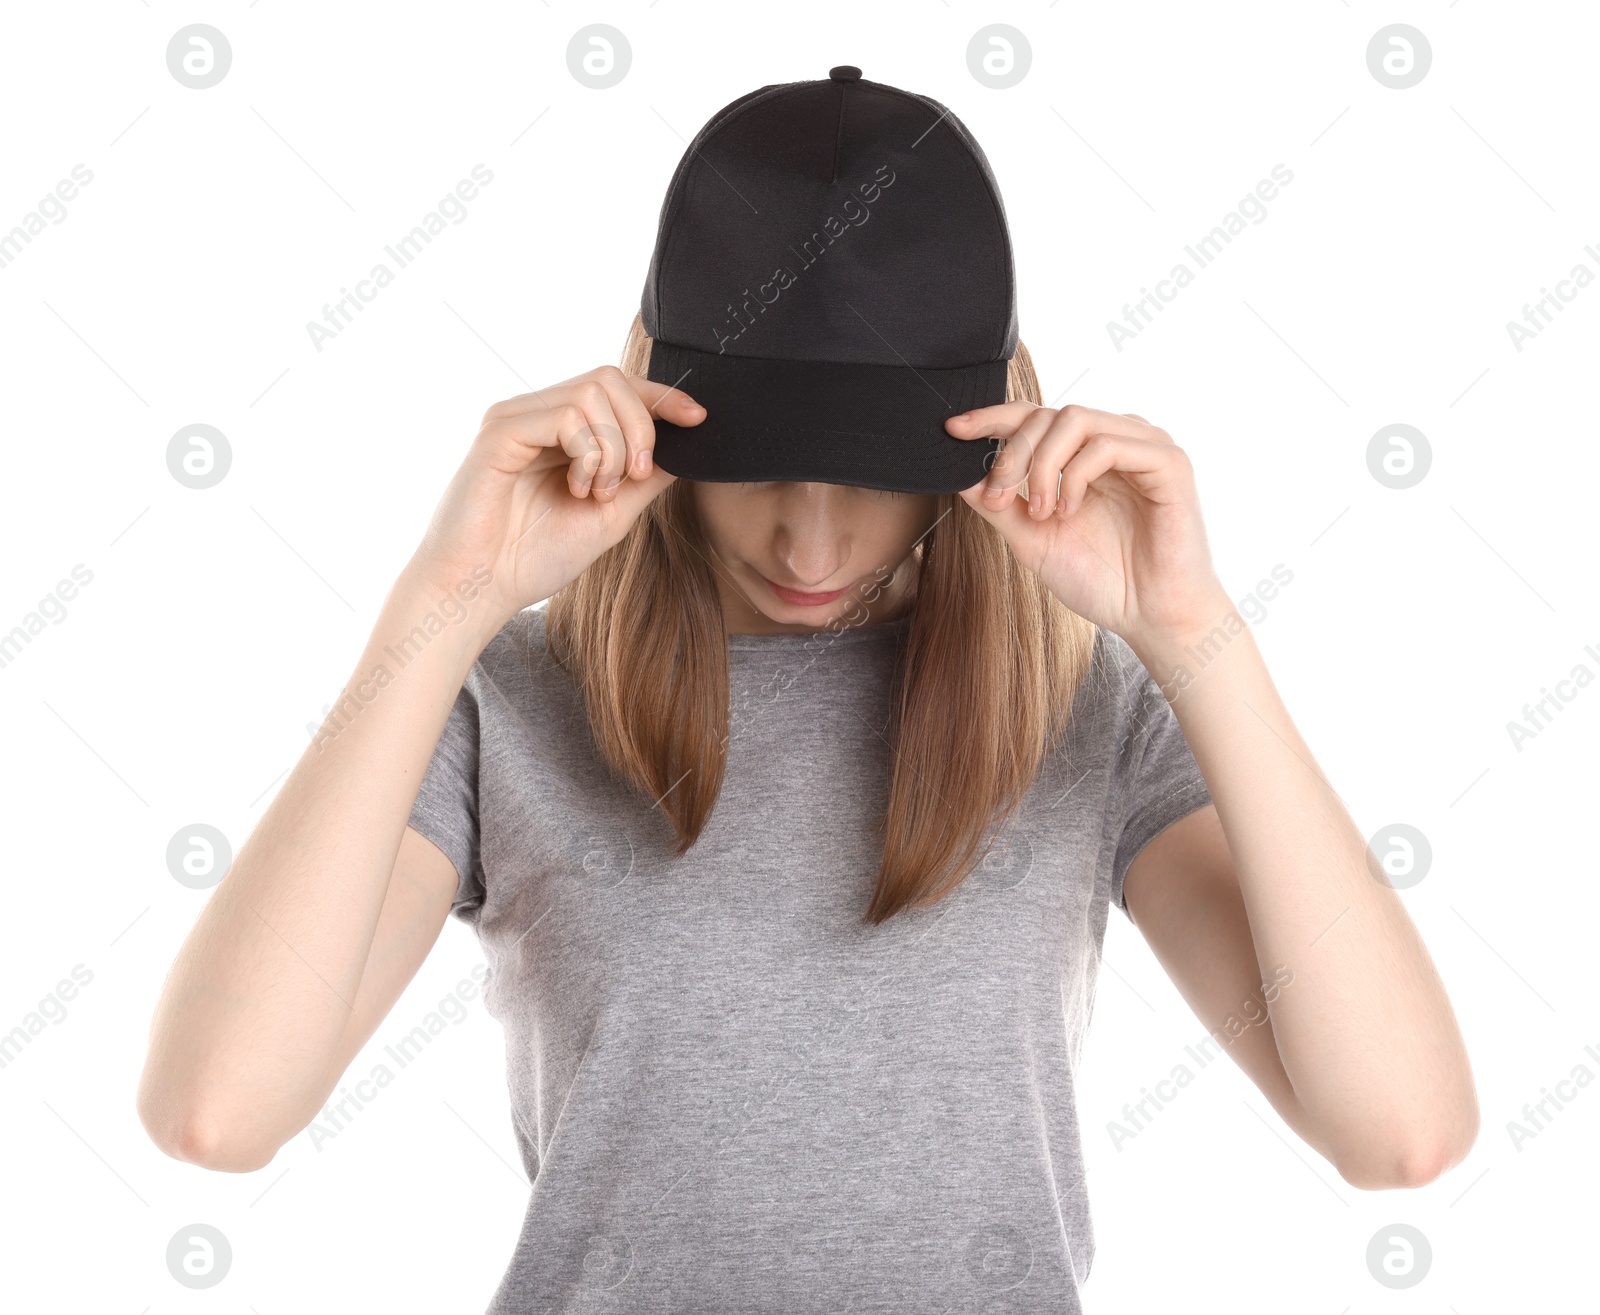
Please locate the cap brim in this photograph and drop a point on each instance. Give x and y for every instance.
(832, 422)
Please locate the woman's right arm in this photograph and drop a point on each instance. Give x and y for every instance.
(248, 1038)
(333, 901)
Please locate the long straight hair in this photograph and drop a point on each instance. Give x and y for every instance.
(983, 684)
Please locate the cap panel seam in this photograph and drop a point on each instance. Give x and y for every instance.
(838, 137)
(991, 188)
(677, 189)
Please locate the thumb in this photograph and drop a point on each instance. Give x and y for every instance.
(1018, 528)
(635, 494)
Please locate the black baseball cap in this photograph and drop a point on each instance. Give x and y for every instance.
(833, 280)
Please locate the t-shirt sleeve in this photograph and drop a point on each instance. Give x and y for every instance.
(446, 809)
(1158, 780)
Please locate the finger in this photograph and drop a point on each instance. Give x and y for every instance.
(1070, 428)
(679, 407)
(1009, 516)
(1014, 461)
(668, 401)
(998, 421)
(590, 396)
(1146, 463)
(989, 421)
(1154, 432)
(516, 443)
(632, 496)
(1088, 420)
(1061, 442)
(548, 398)
(525, 402)
(543, 419)
(638, 429)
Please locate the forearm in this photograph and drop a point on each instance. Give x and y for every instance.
(260, 996)
(1365, 1032)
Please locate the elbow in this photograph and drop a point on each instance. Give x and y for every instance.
(188, 1131)
(1412, 1167)
(1421, 1140)
(1414, 1162)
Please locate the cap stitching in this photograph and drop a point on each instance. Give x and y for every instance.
(683, 351)
(940, 457)
(838, 137)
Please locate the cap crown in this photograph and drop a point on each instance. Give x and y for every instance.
(835, 220)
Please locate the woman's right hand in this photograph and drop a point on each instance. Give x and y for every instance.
(553, 479)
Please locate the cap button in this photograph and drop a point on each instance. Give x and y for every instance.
(845, 73)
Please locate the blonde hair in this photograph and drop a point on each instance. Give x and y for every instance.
(983, 684)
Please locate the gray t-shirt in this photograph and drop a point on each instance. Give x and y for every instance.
(730, 1093)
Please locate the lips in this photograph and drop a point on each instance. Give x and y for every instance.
(802, 599)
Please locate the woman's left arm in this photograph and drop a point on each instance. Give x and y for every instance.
(1371, 1068)
(1364, 1030)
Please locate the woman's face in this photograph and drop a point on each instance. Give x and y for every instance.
(793, 557)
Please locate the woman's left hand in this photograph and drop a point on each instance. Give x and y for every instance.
(1123, 545)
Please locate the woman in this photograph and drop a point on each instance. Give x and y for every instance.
(790, 828)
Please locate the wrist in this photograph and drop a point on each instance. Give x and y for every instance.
(1176, 651)
(463, 616)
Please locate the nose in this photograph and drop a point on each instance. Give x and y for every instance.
(811, 535)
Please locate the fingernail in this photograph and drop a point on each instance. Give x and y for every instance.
(1036, 502)
(641, 463)
(993, 491)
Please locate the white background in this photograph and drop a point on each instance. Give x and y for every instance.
(218, 623)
